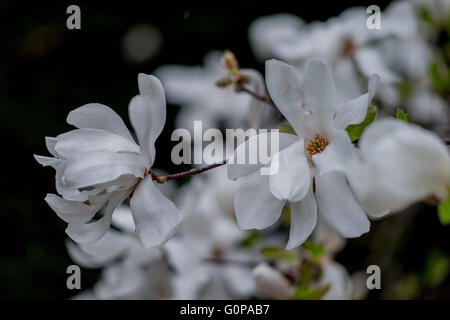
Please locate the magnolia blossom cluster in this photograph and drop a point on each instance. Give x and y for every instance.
(222, 235)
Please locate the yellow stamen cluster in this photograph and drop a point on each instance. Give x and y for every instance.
(317, 145)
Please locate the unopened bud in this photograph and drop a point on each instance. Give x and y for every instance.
(271, 283)
(230, 62)
(224, 82)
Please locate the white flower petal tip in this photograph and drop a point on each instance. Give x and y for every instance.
(337, 205)
(255, 205)
(156, 217)
(290, 179)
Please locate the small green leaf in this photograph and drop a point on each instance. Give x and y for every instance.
(287, 128)
(436, 269)
(355, 130)
(250, 239)
(444, 212)
(316, 249)
(273, 253)
(401, 115)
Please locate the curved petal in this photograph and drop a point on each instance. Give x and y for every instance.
(147, 113)
(254, 203)
(78, 141)
(75, 211)
(283, 83)
(369, 62)
(97, 167)
(155, 216)
(237, 170)
(50, 143)
(337, 205)
(303, 220)
(291, 179)
(336, 154)
(86, 233)
(318, 92)
(98, 116)
(47, 161)
(354, 111)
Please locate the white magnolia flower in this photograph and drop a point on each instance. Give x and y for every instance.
(99, 165)
(195, 89)
(130, 271)
(311, 164)
(206, 252)
(398, 165)
(348, 45)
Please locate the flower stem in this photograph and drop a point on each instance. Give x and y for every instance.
(164, 179)
(265, 98)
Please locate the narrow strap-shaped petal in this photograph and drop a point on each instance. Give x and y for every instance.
(75, 211)
(147, 113)
(254, 203)
(97, 167)
(290, 179)
(303, 219)
(354, 111)
(77, 141)
(337, 205)
(156, 217)
(98, 116)
(86, 233)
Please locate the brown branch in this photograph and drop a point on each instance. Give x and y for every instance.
(265, 98)
(164, 179)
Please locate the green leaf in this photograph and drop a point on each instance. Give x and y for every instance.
(401, 115)
(436, 269)
(250, 239)
(316, 249)
(287, 128)
(355, 130)
(444, 212)
(273, 253)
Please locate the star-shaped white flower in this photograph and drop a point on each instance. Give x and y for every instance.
(99, 165)
(311, 164)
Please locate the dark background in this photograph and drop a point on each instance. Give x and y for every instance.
(47, 70)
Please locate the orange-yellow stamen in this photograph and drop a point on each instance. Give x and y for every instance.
(316, 145)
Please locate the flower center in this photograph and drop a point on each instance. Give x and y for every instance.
(316, 145)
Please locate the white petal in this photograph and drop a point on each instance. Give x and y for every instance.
(354, 111)
(237, 170)
(48, 161)
(155, 216)
(92, 168)
(98, 116)
(291, 181)
(370, 62)
(271, 283)
(336, 154)
(239, 280)
(147, 113)
(318, 92)
(338, 207)
(408, 163)
(50, 142)
(84, 140)
(283, 83)
(303, 220)
(75, 211)
(86, 233)
(254, 203)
